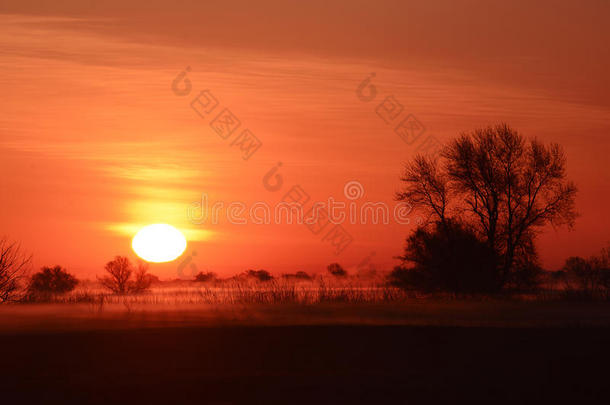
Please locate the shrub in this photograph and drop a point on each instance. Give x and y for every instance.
(202, 277)
(260, 275)
(50, 281)
(526, 276)
(448, 258)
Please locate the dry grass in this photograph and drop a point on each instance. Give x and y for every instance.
(245, 291)
(320, 290)
(329, 301)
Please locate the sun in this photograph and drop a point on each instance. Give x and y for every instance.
(158, 243)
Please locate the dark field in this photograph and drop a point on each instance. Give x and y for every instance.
(306, 364)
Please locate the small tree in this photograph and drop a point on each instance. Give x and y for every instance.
(336, 270)
(14, 264)
(586, 276)
(51, 281)
(119, 279)
(142, 280)
(592, 276)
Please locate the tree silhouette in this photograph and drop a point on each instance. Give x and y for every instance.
(119, 279)
(591, 275)
(505, 186)
(50, 281)
(14, 264)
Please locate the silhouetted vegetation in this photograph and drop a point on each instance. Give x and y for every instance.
(587, 278)
(260, 275)
(501, 188)
(450, 258)
(299, 275)
(50, 281)
(123, 279)
(207, 277)
(14, 264)
(336, 270)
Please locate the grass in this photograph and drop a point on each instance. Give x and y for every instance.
(321, 301)
(277, 291)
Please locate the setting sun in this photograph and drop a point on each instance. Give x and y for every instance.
(159, 243)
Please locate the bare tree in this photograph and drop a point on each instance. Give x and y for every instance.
(14, 264)
(142, 279)
(592, 275)
(428, 186)
(507, 186)
(119, 279)
(119, 271)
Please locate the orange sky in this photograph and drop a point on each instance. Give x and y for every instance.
(94, 143)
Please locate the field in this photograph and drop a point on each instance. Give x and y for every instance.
(194, 345)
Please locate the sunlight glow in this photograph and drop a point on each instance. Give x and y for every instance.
(159, 243)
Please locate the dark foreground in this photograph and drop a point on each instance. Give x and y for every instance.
(308, 364)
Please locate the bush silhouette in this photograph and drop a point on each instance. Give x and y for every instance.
(260, 275)
(448, 258)
(202, 277)
(50, 281)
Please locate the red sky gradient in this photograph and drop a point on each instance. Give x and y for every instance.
(94, 143)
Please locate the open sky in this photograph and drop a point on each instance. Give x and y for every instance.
(94, 143)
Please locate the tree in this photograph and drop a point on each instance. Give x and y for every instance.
(336, 270)
(427, 187)
(14, 264)
(50, 281)
(142, 279)
(592, 275)
(505, 186)
(449, 257)
(119, 279)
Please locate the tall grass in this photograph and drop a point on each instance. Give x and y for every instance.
(320, 290)
(244, 291)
